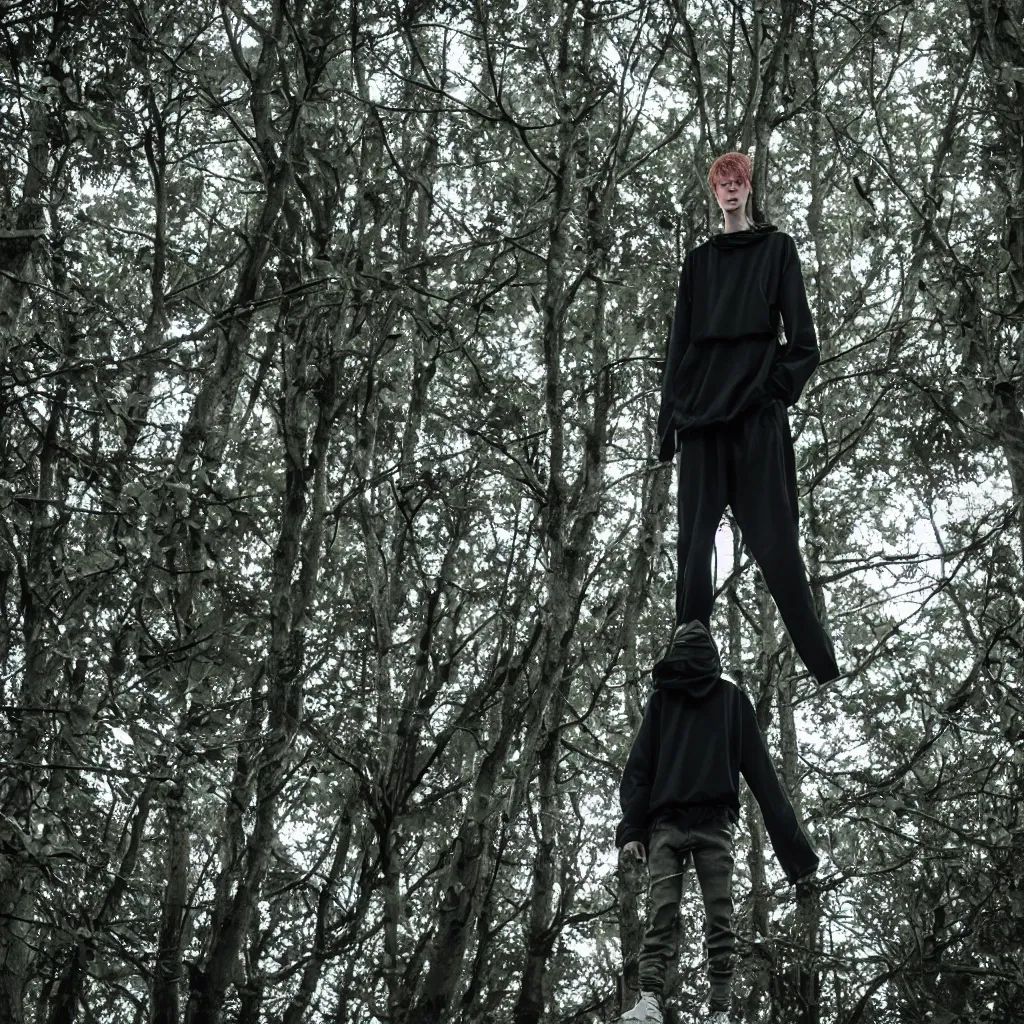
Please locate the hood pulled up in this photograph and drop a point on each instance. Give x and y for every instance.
(691, 665)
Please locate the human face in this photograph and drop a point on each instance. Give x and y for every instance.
(731, 193)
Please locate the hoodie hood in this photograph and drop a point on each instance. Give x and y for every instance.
(691, 665)
(742, 239)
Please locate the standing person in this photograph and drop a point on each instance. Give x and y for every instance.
(726, 387)
(680, 802)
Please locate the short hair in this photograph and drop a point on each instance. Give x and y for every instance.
(737, 164)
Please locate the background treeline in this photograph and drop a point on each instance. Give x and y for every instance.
(333, 552)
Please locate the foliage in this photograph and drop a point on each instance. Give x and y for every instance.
(333, 550)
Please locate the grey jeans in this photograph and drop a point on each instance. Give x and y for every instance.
(710, 846)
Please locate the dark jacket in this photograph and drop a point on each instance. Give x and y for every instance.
(698, 734)
(724, 355)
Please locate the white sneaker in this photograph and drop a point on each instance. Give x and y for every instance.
(717, 1017)
(646, 1011)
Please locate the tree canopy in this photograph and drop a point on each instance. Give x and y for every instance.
(334, 549)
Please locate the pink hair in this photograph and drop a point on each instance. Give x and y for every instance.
(736, 165)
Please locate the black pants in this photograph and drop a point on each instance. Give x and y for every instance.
(748, 465)
(710, 847)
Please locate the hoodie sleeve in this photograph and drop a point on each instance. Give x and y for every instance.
(798, 359)
(678, 342)
(790, 842)
(637, 778)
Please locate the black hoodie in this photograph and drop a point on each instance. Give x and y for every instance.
(724, 355)
(699, 733)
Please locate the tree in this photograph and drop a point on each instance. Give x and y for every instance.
(334, 551)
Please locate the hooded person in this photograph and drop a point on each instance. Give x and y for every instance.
(726, 386)
(680, 803)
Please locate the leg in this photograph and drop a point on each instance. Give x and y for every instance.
(763, 498)
(702, 498)
(667, 861)
(713, 860)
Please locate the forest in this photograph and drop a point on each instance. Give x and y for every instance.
(335, 550)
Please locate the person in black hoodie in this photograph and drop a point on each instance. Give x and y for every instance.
(726, 386)
(680, 801)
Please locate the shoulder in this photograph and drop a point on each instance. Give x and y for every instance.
(729, 689)
(781, 240)
(785, 245)
(698, 251)
(736, 695)
(694, 255)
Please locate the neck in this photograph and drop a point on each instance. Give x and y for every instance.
(735, 221)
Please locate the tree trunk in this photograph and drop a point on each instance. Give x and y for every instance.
(70, 988)
(467, 867)
(541, 932)
(997, 24)
(167, 971)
